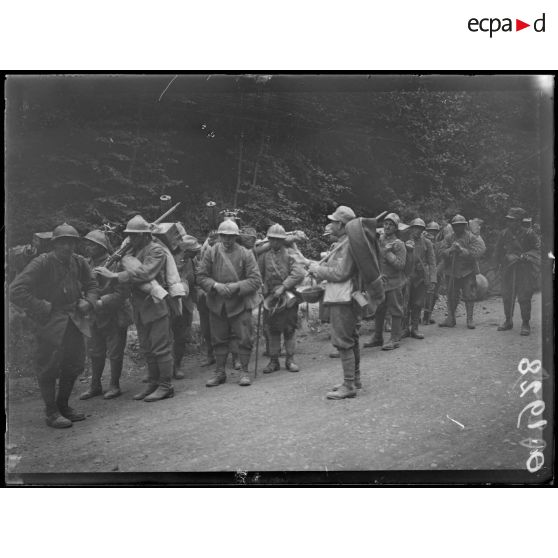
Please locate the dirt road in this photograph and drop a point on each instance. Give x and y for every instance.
(400, 420)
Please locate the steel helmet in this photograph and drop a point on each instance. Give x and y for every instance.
(343, 214)
(276, 231)
(432, 226)
(137, 224)
(393, 217)
(64, 231)
(97, 237)
(459, 220)
(418, 222)
(228, 227)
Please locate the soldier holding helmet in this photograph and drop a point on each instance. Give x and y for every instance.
(460, 250)
(281, 271)
(59, 291)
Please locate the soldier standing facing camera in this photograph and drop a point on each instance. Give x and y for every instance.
(517, 254)
(281, 271)
(460, 250)
(59, 291)
(229, 275)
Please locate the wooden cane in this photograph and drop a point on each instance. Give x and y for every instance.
(258, 339)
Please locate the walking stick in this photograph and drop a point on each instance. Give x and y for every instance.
(258, 340)
(513, 291)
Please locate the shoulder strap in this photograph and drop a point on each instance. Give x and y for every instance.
(275, 267)
(228, 262)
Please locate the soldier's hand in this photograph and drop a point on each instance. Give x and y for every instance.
(104, 272)
(279, 290)
(83, 306)
(410, 244)
(313, 268)
(221, 289)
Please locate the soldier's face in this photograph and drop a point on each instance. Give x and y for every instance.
(228, 241)
(416, 232)
(275, 244)
(138, 241)
(514, 224)
(335, 228)
(94, 250)
(64, 248)
(389, 227)
(459, 229)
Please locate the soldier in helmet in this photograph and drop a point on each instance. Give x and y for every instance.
(431, 232)
(422, 279)
(340, 273)
(281, 272)
(109, 328)
(393, 255)
(460, 251)
(58, 290)
(517, 255)
(229, 275)
(185, 252)
(151, 315)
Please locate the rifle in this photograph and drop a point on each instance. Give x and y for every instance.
(125, 246)
(212, 215)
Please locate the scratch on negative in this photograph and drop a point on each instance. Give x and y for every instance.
(456, 422)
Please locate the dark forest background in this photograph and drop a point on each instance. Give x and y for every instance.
(287, 149)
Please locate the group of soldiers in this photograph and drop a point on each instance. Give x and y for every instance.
(156, 286)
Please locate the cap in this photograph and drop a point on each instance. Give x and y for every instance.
(417, 223)
(64, 231)
(97, 237)
(393, 217)
(459, 220)
(516, 213)
(342, 214)
(228, 227)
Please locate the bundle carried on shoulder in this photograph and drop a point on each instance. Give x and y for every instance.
(363, 245)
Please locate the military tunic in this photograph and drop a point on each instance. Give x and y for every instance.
(461, 268)
(49, 290)
(230, 318)
(518, 255)
(281, 267)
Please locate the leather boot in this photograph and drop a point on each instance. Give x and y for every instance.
(65, 387)
(177, 374)
(290, 346)
(415, 326)
(525, 307)
(450, 320)
(152, 381)
(347, 389)
(470, 307)
(507, 325)
(219, 376)
(47, 385)
(358, 383)
(164, 389)
(95, 388)
(236, 362)
(273, 365)
(245, 379)
(115, 373)
(210, 359)
(56, 420)
(376, 341)
(393, 343)
(426, 318)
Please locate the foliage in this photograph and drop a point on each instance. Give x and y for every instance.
(98, 149)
